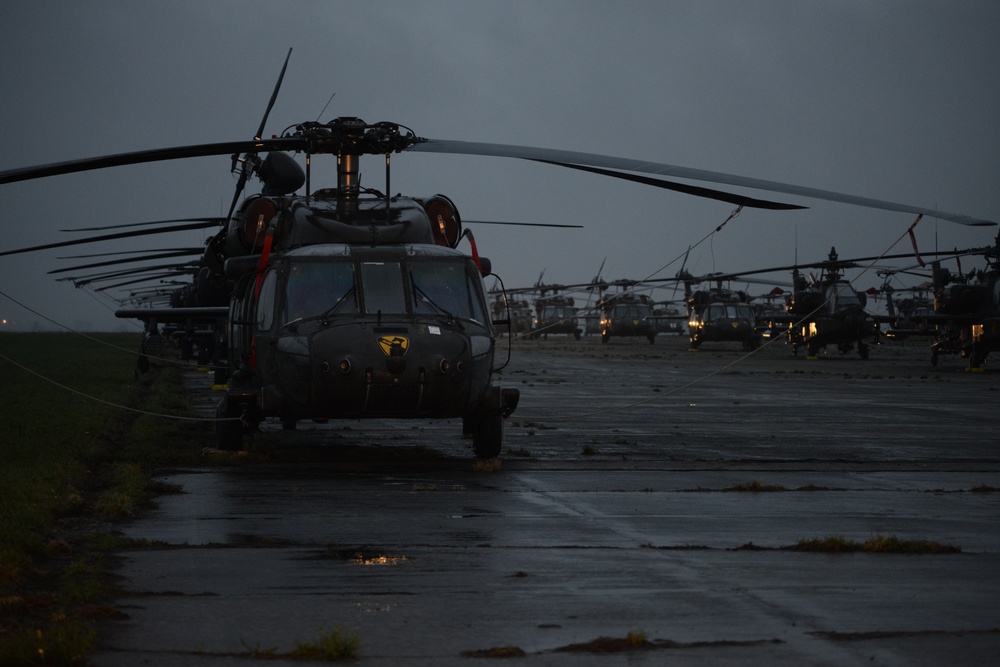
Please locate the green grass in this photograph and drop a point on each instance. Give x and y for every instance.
(335, 644)
(69, 457)
(875, 544)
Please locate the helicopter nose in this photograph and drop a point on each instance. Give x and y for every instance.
(395, 364)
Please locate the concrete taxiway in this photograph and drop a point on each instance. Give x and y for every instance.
(643, 489)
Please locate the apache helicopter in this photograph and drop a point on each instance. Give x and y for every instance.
(344, 302)
(828, 311)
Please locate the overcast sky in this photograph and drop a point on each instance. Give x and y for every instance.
(891, 100)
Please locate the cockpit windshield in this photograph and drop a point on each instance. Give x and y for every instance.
(842, 297)
(314, 288)
(732, 311)
(442, 287)
(445, 287)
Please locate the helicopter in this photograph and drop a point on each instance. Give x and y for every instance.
(912, 313)
(517, 313)
(555, 313)
(346, 303)
(719, 314)
(667, 318)
(828, 311)
(967, 310)
(625, 313)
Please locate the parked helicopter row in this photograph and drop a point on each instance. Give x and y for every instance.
(958, 311)
(346, 303)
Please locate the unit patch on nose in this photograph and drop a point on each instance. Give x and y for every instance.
(394, 346)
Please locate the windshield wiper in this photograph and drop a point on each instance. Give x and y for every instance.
(324, 318)
(425, 298)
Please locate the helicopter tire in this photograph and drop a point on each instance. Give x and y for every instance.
(487, 437)
(228, 434)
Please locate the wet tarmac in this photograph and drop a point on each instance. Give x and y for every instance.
(643, 489)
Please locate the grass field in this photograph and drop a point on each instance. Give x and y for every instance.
(76, 454)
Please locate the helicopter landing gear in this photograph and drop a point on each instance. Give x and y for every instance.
(228, 432)
(487, 437)
(236, 421)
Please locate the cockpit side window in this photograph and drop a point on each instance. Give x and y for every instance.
(265, 301)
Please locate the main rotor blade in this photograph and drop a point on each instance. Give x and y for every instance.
(217, 221)
(143, 258)
(98, 277)
(140, 280)
(246, 167)
(106, 237)
(153, 155)
(193, 251)
(697, 191)
(521, 224)
(567, 158)
(274, 96)
(841, 263)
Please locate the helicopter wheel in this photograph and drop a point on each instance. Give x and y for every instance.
(487, 437)
(228, 434)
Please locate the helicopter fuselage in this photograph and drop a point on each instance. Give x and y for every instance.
(343, 331)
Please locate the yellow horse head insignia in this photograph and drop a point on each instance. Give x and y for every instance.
(394, 346)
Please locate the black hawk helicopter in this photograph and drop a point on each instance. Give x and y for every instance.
(719, 314)
(625, 313)
(344, 302)
(555, 312)
(910, 309)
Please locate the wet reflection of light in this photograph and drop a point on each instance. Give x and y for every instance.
(361, 559)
